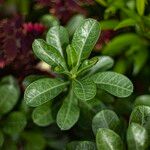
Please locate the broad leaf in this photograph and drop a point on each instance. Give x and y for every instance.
(114, 83)
(142, 100)
(15, 123)
(85, 37)
(71, 56)
(74, 23)
(43, 90)
(57, 37)
(141, 115)
(137, 137)
(84, 89)
(107, 139)
(140, 5)
(104, 63)
(42, 115)
(105, 119)
(9, 95)
(69, 112)
(48, 53)
(81, 145)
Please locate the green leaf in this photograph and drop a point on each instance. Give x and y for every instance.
(1, 139)
(69, 112)
(102, 2)
(114, 83)
(108, 24)
(137, 137)
(142, 100)
(34, 141)
(9, 144)
(87, 64)
(71, 56)
(107, 139)
(84, 89)
(140, 6)
(81, 145)
(58, 37)
(43, 90)
(141, 115)
(104, 63)
(105, 119)
(42, 115)
(48, 53)
(126, 23)
(74, 23)
(85, 37)
(9, 95)
(120, 43)
(15, 123)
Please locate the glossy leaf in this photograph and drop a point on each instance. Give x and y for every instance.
(9, 95)
(105, 119)
(141, 115)
(15, 123)
(43, 90)
(142, 100)
(126, 23)
(48, 53)
(104, 63)
(74, 23)
(140, 5)
(57, 37)
(71, 56)
(137, 137)
(85, 37)
(107, 139)
(69, 112)
(42, 115)
(84, 89)
(81, 145)
(114, 83)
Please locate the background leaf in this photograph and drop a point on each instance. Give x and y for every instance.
(140, 5)
(142, 100)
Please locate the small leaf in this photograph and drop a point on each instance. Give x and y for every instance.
(57, 37)
(48, 53)
(126, 23)
(85, 37)
(71, 56)
(42, 115)
(142, 100)
(81, 145)
(84, 89)
(15, 123)
(105, 119)
(1, 139)
(102, 2)
(141, 115)
(74, 23)
(43, 90)
(114, 83)
(69, 112)
(140, 5)
(104, 63)
(9, 95)
(107, 139)
(137, 137)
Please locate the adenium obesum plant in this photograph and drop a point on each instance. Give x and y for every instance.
(78, 77)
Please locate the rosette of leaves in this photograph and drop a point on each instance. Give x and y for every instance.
(77, 76)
